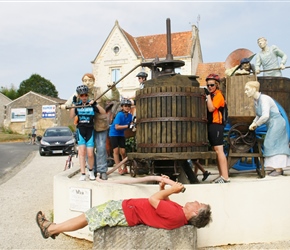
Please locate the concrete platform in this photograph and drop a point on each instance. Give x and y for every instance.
(246, 210)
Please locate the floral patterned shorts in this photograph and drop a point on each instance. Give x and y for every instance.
(108, 214)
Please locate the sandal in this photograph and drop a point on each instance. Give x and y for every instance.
(123, 171)
(43, 224)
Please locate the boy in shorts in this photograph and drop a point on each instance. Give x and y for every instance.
(122, 121)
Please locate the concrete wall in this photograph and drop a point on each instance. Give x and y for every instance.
(244, 211)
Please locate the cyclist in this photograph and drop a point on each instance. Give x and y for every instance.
(33, 135)
(83, 116)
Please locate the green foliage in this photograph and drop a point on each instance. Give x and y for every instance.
(38, 84)
(7, 130)
(10, 92)
(130, 145)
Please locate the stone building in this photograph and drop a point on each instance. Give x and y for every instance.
(121, 52)
(3, 100)
(33, 109)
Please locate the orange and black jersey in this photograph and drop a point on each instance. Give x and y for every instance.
(218, 101)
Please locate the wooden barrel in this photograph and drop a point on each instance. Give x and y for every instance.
(171, 119)
(240, 107)
(278, 88)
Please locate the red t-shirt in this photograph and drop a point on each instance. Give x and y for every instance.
(168, 214)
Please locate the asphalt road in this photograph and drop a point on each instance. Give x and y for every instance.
(12, 155)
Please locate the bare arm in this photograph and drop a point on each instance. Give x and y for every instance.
(72, 112)
(209, 104)
(164, 194)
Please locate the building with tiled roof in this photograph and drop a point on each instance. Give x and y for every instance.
(122, 52)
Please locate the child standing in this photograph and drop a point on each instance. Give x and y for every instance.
(122, 121)
(84, 118)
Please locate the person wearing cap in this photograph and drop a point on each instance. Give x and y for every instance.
(245, 67)
(142, 77)
(215, 100)
(268, 58)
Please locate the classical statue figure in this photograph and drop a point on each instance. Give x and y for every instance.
(268, 58)
(276, 142)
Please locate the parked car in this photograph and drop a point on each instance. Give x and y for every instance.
(57, 140)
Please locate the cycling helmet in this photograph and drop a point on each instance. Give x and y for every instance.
(142, 74)
(82, 89)
(125, 102)
(213, 77)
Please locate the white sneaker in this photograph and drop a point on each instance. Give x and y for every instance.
(82, 178)
(92, 175)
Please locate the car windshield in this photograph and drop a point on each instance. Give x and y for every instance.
(58, 132)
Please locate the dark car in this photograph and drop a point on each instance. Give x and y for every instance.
(57, 140)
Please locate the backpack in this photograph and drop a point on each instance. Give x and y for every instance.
(224, 112)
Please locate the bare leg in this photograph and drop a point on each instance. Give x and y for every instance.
(199, 166)
(123, 153)
(82, 158)
(90, 154)
(116, 155)
(222, 161)
(69, 225)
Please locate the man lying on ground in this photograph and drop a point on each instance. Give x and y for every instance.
(157, 211)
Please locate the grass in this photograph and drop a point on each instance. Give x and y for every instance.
(10, 136)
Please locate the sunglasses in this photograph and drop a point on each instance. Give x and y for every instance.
(210, 85)
(127, 105)
(82, 95)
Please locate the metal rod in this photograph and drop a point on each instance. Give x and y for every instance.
(109, 88)
(265, 70)
(169, 55)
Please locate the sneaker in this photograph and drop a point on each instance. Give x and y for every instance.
(82, 178)
(275, 173)
(104, 176)
(222, 180)
(92, 176)
(205, 175)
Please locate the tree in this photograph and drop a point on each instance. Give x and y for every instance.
(38, 84)
(10, 92)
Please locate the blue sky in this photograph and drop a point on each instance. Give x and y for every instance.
(59, 39)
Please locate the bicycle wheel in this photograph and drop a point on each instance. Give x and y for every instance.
(27, 140)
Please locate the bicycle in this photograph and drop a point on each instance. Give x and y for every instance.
(28, 140)
(69, 163)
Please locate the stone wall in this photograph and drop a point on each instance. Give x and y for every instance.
(144, 237)
(33, 103)
(3, 100)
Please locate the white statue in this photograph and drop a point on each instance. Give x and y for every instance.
(276, 143)
(268, 58)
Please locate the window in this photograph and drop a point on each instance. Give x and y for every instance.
(116, 49)
(29, 111)
(115, 76)
(177, 70)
